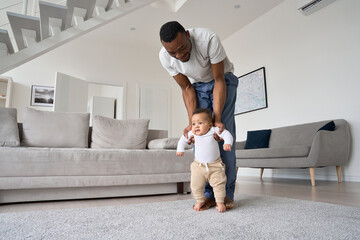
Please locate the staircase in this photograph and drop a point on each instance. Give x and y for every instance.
(57, 25)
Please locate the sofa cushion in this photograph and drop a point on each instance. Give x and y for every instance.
(119, 134)
(258, 139)
(165, 143)
(330, 126)
(9, 132)
(55, 129)
(284, 152)
(90, 162)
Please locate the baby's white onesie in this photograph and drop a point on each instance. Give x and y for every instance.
(206, 147)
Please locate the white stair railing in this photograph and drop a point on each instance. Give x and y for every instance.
(35, 36)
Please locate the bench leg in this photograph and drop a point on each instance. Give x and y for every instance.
(338, 171)
(180, 187)
(312, 176)
(261, 172)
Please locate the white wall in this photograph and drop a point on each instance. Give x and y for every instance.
(312, 73)
(95, 57)
(312, 70)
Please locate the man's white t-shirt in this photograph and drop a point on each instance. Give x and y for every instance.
(206, 50)
(206, 147)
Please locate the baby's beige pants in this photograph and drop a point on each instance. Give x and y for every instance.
(214, 173)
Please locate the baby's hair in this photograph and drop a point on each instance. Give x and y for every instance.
(204, 110)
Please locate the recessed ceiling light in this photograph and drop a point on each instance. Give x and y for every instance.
(237, 6)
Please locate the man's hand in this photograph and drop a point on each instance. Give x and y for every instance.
(186, 130)
(227, 147)
(179, 154)
(221, 127)
(217, 138)
(191, 140)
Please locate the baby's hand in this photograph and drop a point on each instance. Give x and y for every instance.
(179, 154)
(227, 147)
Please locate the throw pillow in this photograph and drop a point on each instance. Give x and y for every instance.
(9, 131)
(165, 143)
(330, 126)
(55, 129)
(119, 134)
(258, 139)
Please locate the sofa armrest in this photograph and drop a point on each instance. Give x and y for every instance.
(331, 148)
(240, 145)
(165, 143)
(156, 134)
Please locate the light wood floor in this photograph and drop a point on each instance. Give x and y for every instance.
(345, 193)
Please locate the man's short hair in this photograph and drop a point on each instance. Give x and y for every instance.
(204, 110)
(170, 30)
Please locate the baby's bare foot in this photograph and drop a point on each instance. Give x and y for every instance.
(198, 206)
(220, 207)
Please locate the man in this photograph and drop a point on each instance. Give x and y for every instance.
(197, 61)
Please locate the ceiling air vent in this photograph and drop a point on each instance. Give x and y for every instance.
(307, 7)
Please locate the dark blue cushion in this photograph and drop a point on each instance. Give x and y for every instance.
(258, 139)
(330, 126)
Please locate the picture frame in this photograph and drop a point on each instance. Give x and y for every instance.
(251, 94)
(42, 96)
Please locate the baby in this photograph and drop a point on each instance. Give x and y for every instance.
(207, 166)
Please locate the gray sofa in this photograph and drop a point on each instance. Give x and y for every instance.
(300, 146)
(33, 173)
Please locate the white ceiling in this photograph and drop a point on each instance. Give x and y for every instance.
(219, 15)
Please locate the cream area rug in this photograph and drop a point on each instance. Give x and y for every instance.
(253, 217)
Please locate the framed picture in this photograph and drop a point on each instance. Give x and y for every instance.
(42, 96)
(251, 92)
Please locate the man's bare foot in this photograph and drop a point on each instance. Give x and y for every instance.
(220, 207)
(208, 204)
(198, 205)
(229, 204)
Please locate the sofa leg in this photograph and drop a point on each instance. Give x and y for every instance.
(312, 176)
(338, 171)
(261, 172)
(180, 187)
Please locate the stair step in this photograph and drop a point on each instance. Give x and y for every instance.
(50, 10)
(5, 38)
(88, 5)
(19, 22)
(104, 5)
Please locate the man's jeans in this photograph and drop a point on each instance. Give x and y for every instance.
(204, 93)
